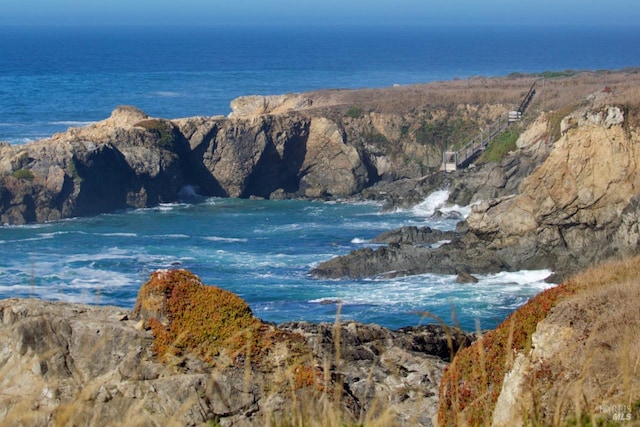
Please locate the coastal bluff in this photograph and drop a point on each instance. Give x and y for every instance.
(191, 354)
(324, 144)
(563, 195)
(567, 197)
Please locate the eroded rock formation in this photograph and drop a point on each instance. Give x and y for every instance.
(579, 206)
(315, 145)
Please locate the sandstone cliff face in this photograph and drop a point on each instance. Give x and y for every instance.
(270, 147)
(293, 154)
(561, 206)
(570, 210)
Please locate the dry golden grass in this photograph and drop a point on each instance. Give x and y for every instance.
(594, 377)
(552, 93)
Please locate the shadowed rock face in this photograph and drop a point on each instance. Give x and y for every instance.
(125, 161)
(292, 154)
(132, 161)
(72, 364)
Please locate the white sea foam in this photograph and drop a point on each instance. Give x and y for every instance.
(60, 233)
(28, 239)
(358, 241)
(522, 277)
(284, 228)
(440, 243)
(437, 202)
(433, 202)
(92, 258)
(226, 239)
(116, 234)
(507, 290)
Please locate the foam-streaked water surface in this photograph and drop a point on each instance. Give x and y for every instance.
(55, 77)
(261, 250)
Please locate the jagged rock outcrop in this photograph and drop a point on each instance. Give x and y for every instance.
(191, 354)
(125, 161)
(570, 209)
(374, 361)
(465, 253)
(256, 105)
(414, 235)
(578, 207)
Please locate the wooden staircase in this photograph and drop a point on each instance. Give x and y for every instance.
(452, 160)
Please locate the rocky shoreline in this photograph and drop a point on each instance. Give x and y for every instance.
(563, 205)
(547, 204)
(77, 364)
(566, 197)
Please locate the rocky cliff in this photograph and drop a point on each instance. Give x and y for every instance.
(319, 144)
(127, 160)
(579, 206)
(190, 354)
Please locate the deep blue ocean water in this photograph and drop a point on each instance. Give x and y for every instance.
(55, 77)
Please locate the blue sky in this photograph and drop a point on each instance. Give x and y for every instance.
(306, 12)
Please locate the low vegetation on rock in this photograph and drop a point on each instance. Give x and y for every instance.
(186, 316)
(597, 369)
(24, 174)
(161, 130)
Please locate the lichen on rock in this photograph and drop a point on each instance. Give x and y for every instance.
(187, 316)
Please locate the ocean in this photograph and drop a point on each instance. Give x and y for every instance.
(55, 77)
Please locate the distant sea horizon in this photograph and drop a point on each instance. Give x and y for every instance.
(52, 78)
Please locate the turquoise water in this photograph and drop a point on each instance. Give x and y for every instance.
(261, 250)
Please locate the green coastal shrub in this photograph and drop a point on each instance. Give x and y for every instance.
(501, 146)
(452, 131)
(24, 174)
(161, 130)
(556, 119)
(354, 112)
